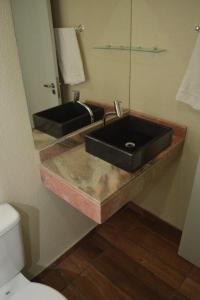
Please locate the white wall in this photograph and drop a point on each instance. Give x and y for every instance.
(155, 82)
(50, 225)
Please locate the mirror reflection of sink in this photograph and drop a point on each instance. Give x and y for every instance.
(129, 142)
(66, 118)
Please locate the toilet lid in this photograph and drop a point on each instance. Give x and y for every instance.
(37, 291)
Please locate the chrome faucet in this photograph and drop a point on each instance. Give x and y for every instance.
(76, 99)
(118, 111)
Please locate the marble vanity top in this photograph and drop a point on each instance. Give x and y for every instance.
(93, 186)
(93, 176)
(42, 140)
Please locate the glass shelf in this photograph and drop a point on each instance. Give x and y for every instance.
(136, 49)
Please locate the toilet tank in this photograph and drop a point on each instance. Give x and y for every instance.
(11, 244)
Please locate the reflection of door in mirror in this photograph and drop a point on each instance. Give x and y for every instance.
(36, 47)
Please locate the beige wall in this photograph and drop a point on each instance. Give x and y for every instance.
(155, 81)
(106, 22)
(50, 225)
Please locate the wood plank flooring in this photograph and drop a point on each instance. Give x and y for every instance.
(131, 256)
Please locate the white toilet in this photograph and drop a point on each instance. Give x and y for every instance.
(13, 285)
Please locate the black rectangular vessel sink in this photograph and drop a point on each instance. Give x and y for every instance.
(128, 143)
(63, 119)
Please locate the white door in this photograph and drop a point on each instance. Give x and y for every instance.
(190, 243)
(36, 46)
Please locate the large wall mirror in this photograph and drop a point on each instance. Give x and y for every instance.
(99, 41)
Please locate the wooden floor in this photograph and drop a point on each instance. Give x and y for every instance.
(131, 256)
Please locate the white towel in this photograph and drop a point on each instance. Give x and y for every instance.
(69, 56)
(189, 91)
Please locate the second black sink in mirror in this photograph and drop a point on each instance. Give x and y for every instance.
(63, 119)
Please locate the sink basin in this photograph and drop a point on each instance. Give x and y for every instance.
(63, 119)
(128, 143)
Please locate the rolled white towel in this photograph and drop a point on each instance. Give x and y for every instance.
(189, 91)
(69, 56)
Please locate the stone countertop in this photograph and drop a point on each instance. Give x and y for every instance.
(42, 140)
(93, 186)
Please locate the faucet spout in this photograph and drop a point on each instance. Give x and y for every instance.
(118, 111)
(76, 99)
(88, 109)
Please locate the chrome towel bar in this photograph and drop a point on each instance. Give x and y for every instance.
(197, 28)
(80, 28)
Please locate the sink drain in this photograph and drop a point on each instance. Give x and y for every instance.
(130, 145)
